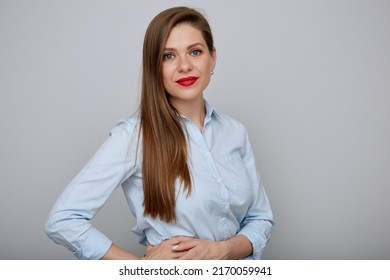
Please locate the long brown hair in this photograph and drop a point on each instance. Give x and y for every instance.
(164, 146)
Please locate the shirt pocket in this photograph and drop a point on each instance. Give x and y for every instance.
(236, 173)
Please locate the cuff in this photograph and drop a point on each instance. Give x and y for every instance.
(95, 247)
(258, 233)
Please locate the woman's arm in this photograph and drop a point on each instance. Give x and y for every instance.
(69, 222)
(117, 253)
(163, 251)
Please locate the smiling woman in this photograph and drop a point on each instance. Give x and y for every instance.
(187, 67)
(187, 171)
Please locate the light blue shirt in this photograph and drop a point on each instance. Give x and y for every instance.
(227, 199)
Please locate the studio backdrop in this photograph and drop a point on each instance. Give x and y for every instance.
(309, 79)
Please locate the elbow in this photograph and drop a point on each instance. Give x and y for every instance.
(56, 230)
(55, 227)
(50, 227)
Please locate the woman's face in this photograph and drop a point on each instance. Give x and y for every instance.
(187, 65)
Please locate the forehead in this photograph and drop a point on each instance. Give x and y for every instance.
(184, 35)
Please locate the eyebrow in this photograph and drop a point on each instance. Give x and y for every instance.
(189, 47)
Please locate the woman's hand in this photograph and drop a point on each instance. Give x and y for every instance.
(199, 249)
(191, 248)
(163, 251)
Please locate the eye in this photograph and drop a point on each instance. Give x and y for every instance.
(196, 52)
(168, 56)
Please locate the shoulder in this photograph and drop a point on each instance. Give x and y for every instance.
(127, 127)
(230, 123)
(223, 121)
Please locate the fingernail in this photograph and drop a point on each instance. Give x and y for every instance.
(174, 247)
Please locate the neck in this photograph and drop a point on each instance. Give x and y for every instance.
(194, 111)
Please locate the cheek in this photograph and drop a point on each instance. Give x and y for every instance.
(165, 79)
(166, 68)
(206, 81)
(168, 77)
(207, 67)
(165, 72)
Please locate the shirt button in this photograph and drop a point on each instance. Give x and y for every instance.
(219, 180)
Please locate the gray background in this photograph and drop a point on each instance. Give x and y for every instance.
(309, 79)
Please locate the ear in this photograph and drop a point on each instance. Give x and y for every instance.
(213, 59)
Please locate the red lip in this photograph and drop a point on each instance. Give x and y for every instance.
(187, 81)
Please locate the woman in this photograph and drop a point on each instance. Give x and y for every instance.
(187, 172)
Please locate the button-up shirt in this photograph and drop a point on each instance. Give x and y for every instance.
(227, 198)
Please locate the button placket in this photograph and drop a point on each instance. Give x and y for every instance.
(225, 198)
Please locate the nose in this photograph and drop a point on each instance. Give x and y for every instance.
(184, 64)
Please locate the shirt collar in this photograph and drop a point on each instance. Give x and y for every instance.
(210, 112)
